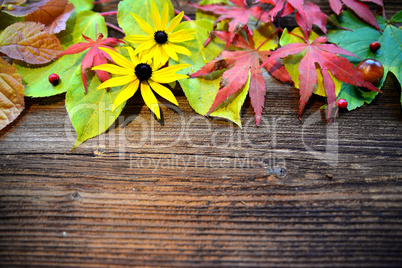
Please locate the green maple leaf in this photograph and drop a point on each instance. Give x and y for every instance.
(358, 42)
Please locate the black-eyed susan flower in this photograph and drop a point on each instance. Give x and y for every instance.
(161, 41)
(138, 73)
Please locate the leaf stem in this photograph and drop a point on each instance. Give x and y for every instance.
(184, 16)
(114, 27)
(269, 38)
(108, 13)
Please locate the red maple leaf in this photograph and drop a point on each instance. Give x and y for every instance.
(359, 8)
(325, 55)
(239, 63)
(307, 13)
(239, 14)
(94, 56)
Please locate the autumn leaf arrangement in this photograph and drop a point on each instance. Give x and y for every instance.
(55, 47)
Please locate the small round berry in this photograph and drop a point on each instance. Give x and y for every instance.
(342, 103)
(54, 79)
(374, 46)
(371, 70)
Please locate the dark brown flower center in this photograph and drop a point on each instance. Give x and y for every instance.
(160, 37)
(143, 71)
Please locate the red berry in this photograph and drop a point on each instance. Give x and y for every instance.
(375, 46)
(342, 103)
(54, 79)
(371, 70)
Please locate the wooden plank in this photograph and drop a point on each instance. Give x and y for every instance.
(195, 191)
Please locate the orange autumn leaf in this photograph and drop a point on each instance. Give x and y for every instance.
(54, 14)
(11, 93)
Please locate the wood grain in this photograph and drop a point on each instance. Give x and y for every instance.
(194, 191)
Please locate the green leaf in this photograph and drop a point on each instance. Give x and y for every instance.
(355, 97)
(86, 23)
(81, 5)
(67, 67)
(141, 8)
(6, 20)
(358, 42)
(36, 79)
(91, 113)
(397, 18)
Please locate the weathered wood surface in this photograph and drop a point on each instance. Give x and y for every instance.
(194, 191)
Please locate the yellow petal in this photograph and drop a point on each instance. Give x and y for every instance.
(164, 58)
(171, 70)
(160, 57)
(143, 24)
(113, 69)
(150, 99)
(133, 57)
(168, 74)
(165, 15)
(118, 59)
(126, 93)
(170, 52)
(149, 62)
(157, 57)
(165, 79)
(180, 49)
(156, 17)
(146, 56)
(145, 46)
(174, 22)
(138, 39)
(181, 36)
(164, 92)
(118, 81)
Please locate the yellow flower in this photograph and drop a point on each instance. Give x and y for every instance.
(161, 41)
(140, 74)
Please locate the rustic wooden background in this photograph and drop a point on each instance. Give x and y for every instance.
(194, 191)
